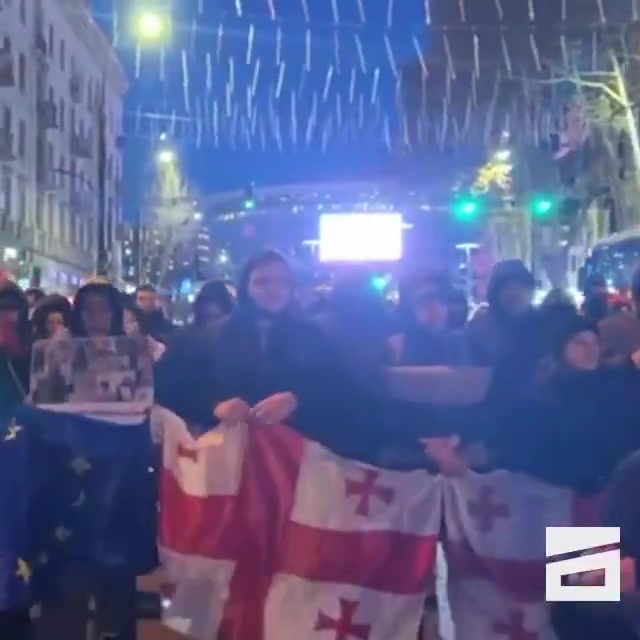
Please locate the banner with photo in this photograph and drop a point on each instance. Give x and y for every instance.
(100, 377)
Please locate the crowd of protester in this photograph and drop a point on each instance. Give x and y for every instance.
(562, 404)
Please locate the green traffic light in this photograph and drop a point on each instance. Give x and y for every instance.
(249, 204)
(379, 283)
(542, 207)
(467, 209)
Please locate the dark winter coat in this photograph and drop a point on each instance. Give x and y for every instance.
(512, 346)
(571, 431)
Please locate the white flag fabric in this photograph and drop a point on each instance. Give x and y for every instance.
(495, 549)
(266, 535)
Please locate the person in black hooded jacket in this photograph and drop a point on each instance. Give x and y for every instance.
(509, 337)
(267, 362)
(575, 426)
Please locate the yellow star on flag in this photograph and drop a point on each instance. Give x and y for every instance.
(12, 432)
(80, 465)
(23, 570)
(79, 501)
(62, 534)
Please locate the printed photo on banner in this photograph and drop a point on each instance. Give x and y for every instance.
(93, 375)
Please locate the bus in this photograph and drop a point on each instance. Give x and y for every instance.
(614, 258)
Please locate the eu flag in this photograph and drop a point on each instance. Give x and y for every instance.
(76, 494)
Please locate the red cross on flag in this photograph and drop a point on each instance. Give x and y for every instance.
(495, 550)
(269, 536)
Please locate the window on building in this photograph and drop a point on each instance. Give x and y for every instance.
(22, 72)
(40, 205)
(50, 155)
(62, 174)
(64, 218)
(6, 184)
(73, 226)
(61, 114)
(51, 95)
(51, 214)
(63, 54)
(6, 124)
(23, 205)
(23, 11)
(22, 139)
(91, 239)
(81, 235)
(73, 168)
(110, 223)
(72, 120)
(51, 43)
(90, 95)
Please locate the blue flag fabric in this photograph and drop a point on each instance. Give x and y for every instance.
(76, 494)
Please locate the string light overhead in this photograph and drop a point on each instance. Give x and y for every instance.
(261, 73)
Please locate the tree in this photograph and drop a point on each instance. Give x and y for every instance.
(536, 71)
(172, 226)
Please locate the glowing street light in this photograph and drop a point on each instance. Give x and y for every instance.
(151, 26)
(504, 155)
(166, 156)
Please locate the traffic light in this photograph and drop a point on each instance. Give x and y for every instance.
(542, 206)
(379, 283)
(466, 208)
(249, 202)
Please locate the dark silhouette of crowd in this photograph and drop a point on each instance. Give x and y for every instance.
(561, 403)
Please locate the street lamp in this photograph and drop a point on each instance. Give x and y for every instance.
(166, 156)
(151, 26)
(504, 155)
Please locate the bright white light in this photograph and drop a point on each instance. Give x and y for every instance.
(503, 155)
(10, 253)
(360, 237)
(223, 258)
(151, 26)
(197, 216)
(166, 156)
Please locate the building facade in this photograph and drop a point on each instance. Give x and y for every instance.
(61, 93)
(171, 267)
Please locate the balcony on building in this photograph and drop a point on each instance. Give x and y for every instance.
(7, 72)
(76, 87)
(81, 146)
(50, 181)
(7, 144)
(41, 47)
(82, 201)
(48, 114)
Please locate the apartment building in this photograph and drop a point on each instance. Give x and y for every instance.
(61, 95)
(188, 261)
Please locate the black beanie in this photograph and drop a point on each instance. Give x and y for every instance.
(567, 330)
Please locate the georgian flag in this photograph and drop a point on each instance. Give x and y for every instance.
(495, 549)
(266, 535)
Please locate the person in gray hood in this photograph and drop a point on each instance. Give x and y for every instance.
(509, 337)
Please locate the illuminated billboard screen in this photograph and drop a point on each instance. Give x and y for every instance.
(360, 237)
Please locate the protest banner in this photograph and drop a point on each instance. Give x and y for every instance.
(93, 376)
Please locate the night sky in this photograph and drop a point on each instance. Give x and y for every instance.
(299, 103)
